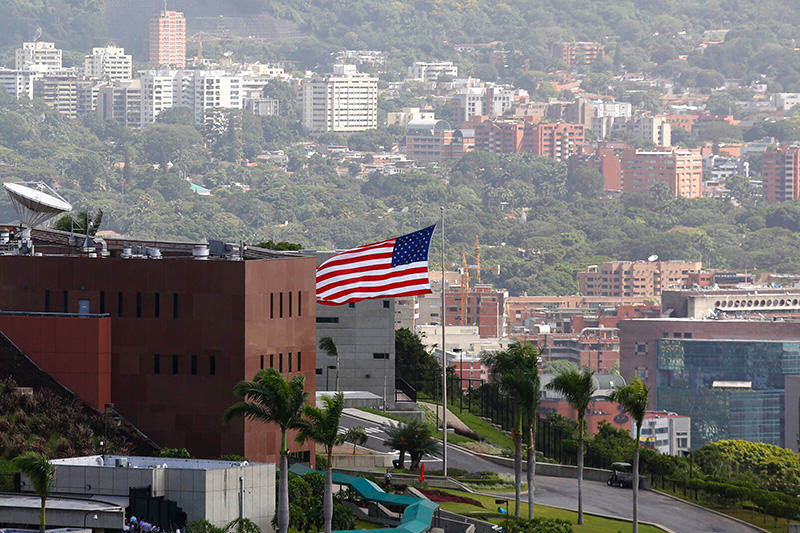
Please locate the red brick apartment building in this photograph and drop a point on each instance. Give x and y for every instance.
(635, 279)
(165, 336)
(485, 308)
(557, 140)
(577, 52)
(168, 40)
(436, 140)
(780, 173)
(681, 170)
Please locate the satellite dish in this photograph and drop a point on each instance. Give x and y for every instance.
(36, 204)
(652, 258)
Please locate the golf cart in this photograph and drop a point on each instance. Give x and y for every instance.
(621, 475)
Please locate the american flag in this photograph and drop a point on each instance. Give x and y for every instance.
(390, 268)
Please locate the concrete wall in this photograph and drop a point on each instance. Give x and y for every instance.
(363, 330)
(363, 461)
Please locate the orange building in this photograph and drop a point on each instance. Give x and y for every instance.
(604, 159)
(168, 40)
(435, 140)
(556, 140)
(578, 52)
(681, 170)
(780, 173)
(635, 278)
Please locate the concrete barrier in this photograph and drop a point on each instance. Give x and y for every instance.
(551, 469)
(363, 461)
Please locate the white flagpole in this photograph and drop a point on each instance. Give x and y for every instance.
(444, 358)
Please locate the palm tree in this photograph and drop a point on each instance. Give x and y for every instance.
(357, 436)
(578, 388)
(321, 425)
(413, 437)
(327, 344)
(270, 398)
(42, 475)
(633, 398)
(516, 372)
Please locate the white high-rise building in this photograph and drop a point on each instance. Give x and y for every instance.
(199, 90)
(38, 54)
(110, 62)
(157, 94)
(344, 101)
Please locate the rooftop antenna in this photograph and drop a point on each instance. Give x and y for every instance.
(35, 203)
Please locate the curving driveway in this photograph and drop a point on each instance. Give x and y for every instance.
(598, 498)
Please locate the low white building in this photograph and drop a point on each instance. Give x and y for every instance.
(666, 432)
(109, 63)
(217, 491)
(431, 71)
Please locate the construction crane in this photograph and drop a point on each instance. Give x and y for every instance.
(461, 318)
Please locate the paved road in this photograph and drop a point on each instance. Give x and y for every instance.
(597, 497)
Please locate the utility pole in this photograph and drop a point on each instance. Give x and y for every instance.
(444, 357)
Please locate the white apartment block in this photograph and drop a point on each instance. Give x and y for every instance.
(608, 116)
(654, 129)
(667, 433)
(18, 83)
(38, 54)
(407, 114)
(431, 71)
(157, 94)
(470, 102)
(345, 101)
(785, 101)
(109, 63)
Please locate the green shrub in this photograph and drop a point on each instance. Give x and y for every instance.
(538, 525)
(175, 453)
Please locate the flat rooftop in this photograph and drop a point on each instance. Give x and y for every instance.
(32, 501)
(111, 461)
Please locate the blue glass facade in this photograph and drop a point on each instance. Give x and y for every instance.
(688, 368)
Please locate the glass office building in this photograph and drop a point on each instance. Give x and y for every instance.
(732, 389)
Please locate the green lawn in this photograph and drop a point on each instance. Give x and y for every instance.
(363, 524)
(485, 430)
(592, 524)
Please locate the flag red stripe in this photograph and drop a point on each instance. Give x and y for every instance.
(366, 257)
(384, 287)
(398, 295)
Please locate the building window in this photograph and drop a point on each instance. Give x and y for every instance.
(327, 320)
(280, 363)
(262, 362)
(157, 306)
(156, 364)
(119, 304)
(174, 365)
(290, 304)
(687, 335)
(66, 301)
(299, 362)
(380, 356)
(290, 361)
(193, 365)
(174, 305)
(212, 366)
(271, 305)
(46, 301)
(138, 305)
(386, 304)
(351, 305)
(299, 303)
(280, 304)
(319, 371)
(102, 302)
(84, 307)
(272, 360)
